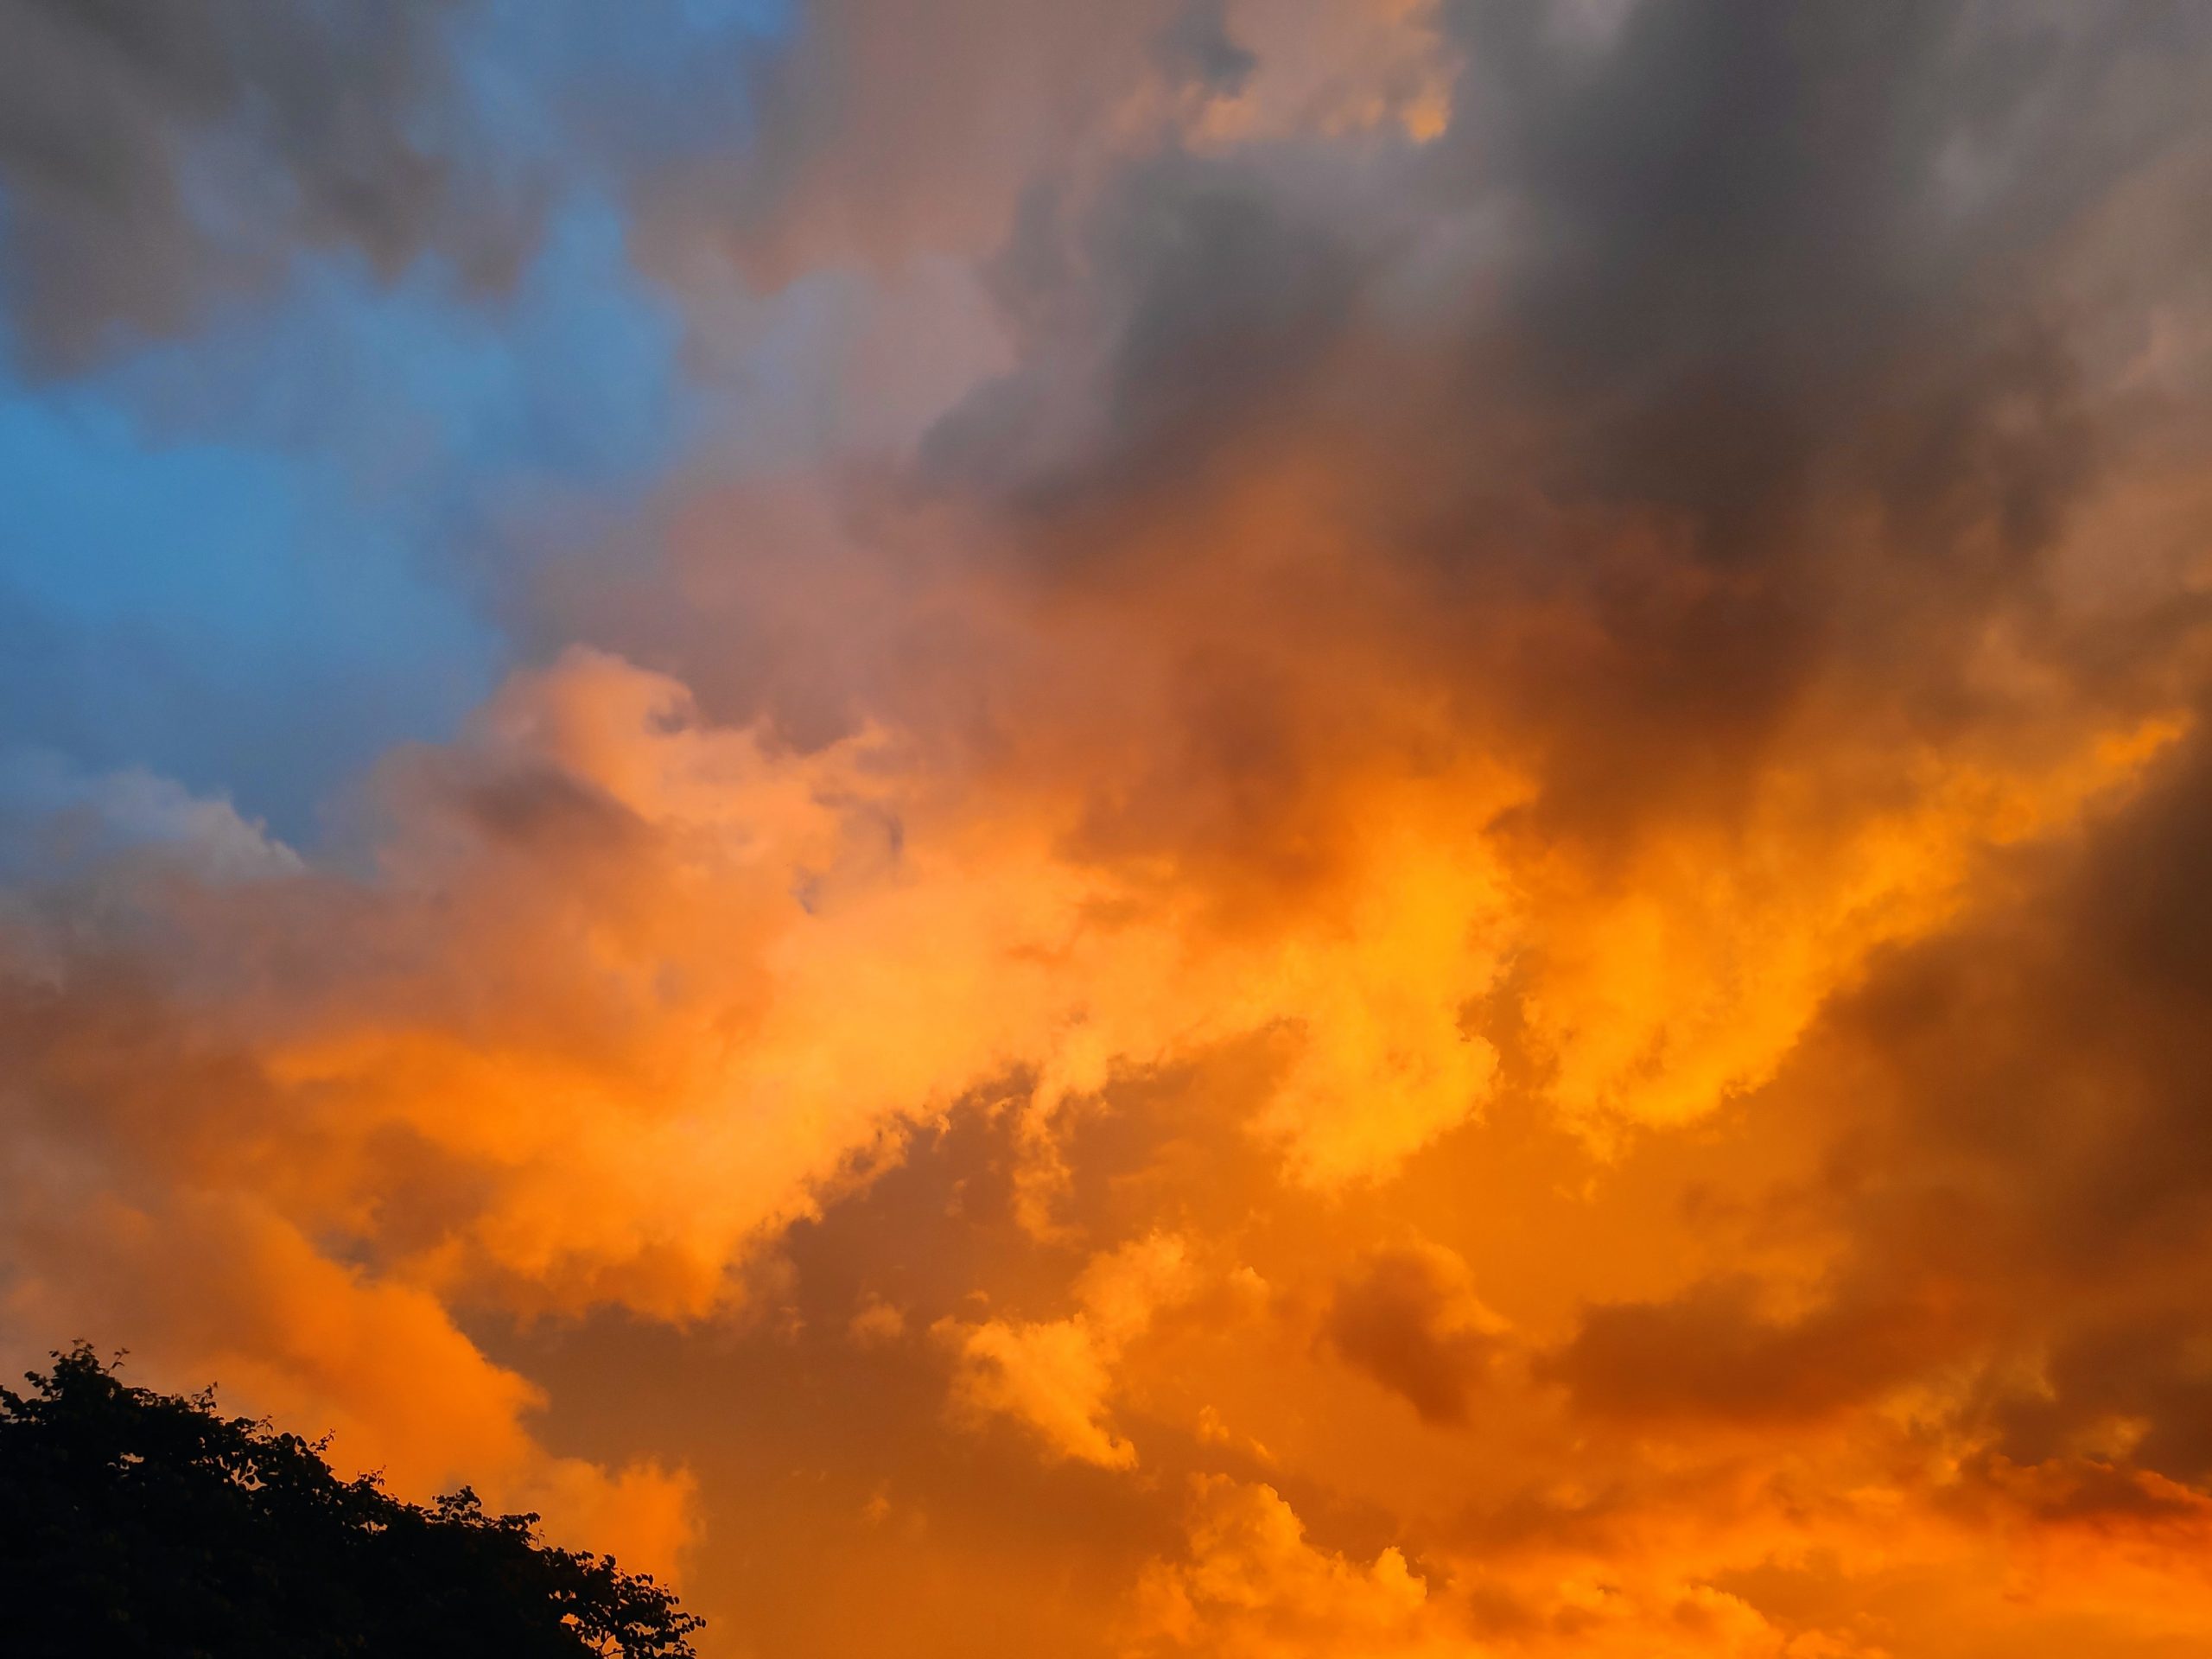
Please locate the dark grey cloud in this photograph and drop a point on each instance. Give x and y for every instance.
(157, 153)
(1198, 44)
(1165, 320)
(1762, 243)
(1743, 245)
(1743, 356)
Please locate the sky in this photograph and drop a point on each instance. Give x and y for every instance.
(1181, 830)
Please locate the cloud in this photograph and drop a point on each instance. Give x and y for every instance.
(143, 147)
(1299, 466)
(2027, 1150)
(1057, 1374)
(1197, 43)
(1410, 1318)
(875, 1324)
(1711, 1353)
(1252, 1585)
(58, 822)
(855, 159)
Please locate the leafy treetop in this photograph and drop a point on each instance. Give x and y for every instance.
(133, 1522)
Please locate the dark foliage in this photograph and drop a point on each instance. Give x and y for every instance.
(136, 1522)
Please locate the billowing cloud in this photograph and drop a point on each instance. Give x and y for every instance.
(1057, 1374)
(1252, 1584)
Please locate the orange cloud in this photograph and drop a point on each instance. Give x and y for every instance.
(1410, 1318)
(1251, 1586)
(1056, 1376)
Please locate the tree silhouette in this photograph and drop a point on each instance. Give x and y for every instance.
(133, 1522)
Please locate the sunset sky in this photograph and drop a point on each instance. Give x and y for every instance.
(1139, 828)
